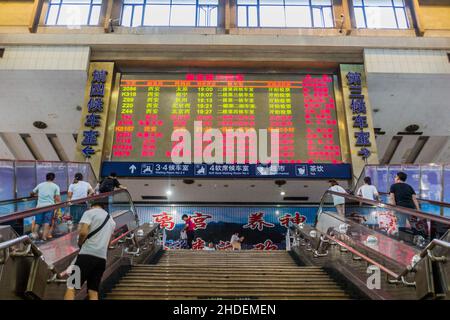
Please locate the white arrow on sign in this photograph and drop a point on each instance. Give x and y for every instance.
(132, 168)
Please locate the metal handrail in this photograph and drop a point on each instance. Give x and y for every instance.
(12, 242)
(23, 239)
(438, 203)
(23, 199)
(34, 211)
(403, 210)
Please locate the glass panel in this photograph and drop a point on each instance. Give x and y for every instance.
(25, 178)
(210, 2)
(318, 19)
(431, 188)
(297, 2)
(52, 15)
(359, 17)
(377, 3)
(156, 15)
(207, 16)
(328, 17)
(272, 16)
(126, 16)
(95, 15)
(298, 17)
(7, 190)
(137, 16)
(357, 2)
(59, 169)
(239, 2)
(401, 19)
(185, 2)
(183, 15)
(73, 15)
(252, 17)
(446, 189)
(382, 179)
(321, 2)
(393, 170)
(134, 1)
(381, 17)
(413, 173)
(271, 2)
(242, 16)
(399, 3)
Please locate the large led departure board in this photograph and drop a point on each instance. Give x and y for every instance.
(301, 107)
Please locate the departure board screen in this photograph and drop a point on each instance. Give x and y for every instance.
(301, 106)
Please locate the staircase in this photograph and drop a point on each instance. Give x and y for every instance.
(183, 274)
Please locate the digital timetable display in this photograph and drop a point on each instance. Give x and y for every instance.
(300, 106)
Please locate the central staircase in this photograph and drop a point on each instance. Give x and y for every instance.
(184, 274)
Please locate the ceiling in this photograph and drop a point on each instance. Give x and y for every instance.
(404, 99)
(48, 96)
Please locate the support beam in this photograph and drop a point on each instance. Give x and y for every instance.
(107, 17)
(415, 10)
(35, 15)
(347, 25)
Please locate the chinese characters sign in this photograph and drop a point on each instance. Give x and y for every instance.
(91, 135)
(358, 116)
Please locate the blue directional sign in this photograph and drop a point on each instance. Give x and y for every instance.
(161, 169)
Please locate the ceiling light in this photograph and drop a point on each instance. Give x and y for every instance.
(282, 193)
(169, 192)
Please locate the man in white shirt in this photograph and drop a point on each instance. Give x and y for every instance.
(210, 247)
(367, 190)
(95, 231)
(338, 201)
(79, 189)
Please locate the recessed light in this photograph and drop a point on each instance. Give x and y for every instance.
(169, 192)
(282, 193)
(225, 185)
(40, 125)
(146, 185)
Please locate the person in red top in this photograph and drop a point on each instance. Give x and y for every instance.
(189, 228)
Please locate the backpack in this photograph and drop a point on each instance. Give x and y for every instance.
(107, 185)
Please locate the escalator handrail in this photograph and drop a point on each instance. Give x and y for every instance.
(33, 211)
(403, 210)
(22, 239)
(434, 202)
(23, 199)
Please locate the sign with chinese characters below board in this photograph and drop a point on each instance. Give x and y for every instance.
(301, 108)
(162, 169)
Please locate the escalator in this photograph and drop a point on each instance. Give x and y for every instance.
(332, 259)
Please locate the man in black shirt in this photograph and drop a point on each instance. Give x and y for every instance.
(109, 183)
(403, 195)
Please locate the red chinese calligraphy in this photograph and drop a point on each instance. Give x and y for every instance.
(267, 245)
(297, 219)
(198, 244)
(224, 245)
(199, 220)
(165, 220)
(256, 221)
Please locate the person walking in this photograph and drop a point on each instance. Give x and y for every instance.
(48, 194)
(368, 190)
(109, 184)
(79, 189)
(95, 231)
(189, 228)
(338, 201)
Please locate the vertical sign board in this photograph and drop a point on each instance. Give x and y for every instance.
(91, 135)
(358, 114)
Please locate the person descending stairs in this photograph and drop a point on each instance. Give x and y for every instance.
(182, 274)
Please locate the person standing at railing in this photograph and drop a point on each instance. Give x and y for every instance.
(95, 232)
(109, 184)
(338, 201)
(48, 194)
(368, 190)
(79, 189)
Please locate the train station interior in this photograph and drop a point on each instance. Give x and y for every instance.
(241, 149)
